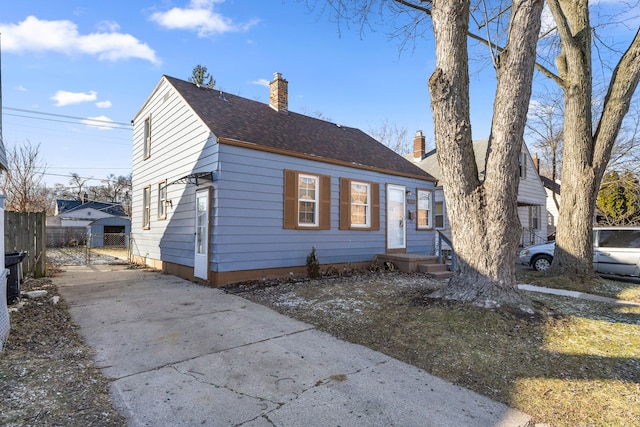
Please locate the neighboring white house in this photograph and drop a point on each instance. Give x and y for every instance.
(552, 189)
(532, 198)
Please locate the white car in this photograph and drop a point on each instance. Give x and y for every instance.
(616, 250)
(539, 256)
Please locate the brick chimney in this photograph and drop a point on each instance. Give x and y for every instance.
(418, 146)
(279, 93)
(536, 162)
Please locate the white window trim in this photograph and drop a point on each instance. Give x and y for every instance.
(535, 212)
(147, 138)
(146, 207)
(367, 212)
(162, 202)
(523, 165)
(430, 210)
(316, 201)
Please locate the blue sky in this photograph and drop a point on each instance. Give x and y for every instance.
(85, 59)
(101, 60)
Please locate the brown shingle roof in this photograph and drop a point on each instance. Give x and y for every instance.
(236, 118)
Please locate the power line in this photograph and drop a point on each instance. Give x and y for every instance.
(49, 132)
(82, 119)
(66, 121)
(64, 167)
(79, 177)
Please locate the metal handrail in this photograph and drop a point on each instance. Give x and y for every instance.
(443, 237)
(533, 237)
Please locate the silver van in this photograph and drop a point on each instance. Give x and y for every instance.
(616, 250)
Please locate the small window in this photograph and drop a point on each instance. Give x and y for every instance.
(147, 137)
(359, 205)
(146, 208)
(424, 209)
(438, 214)
(534, 217)
(307, 200)
(162, 200)
(522, 164)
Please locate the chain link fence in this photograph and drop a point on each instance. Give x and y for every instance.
(67, 246)
(5, 325)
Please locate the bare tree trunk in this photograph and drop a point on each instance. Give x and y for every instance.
(483, 215)
(585, 154)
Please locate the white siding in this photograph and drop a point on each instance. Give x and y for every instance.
(531, 192)
(552, 211)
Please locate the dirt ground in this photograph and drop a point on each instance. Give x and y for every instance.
(47, 374)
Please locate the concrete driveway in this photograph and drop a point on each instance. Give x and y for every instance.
(181, 354)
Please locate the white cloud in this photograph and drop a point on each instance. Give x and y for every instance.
(261, 82)
(35, 35)
(108, 26)
(103, 104)
(63, 97)
(548, 22)
(100, 122)
(21, 88)
(199, 16)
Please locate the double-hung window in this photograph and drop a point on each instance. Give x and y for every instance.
(522, 163)
(162, 200)
(307, 200)
(146, 207)
(534, 217)
(147, 138)
(359, 205)
(424, 210)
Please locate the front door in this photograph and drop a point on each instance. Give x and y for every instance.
(396, 234)
(201, 259)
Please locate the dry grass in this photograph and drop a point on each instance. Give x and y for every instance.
(576, 364)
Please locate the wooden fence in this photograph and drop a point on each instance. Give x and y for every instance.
(25, 231)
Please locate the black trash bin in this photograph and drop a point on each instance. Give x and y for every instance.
(12, 261)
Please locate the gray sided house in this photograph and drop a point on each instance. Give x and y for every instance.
(532, 198)
(75, 221)
(227, 189)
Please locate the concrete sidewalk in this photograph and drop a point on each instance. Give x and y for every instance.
(182, 354)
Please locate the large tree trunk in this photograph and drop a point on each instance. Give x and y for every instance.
(586, 154)
(483, 215)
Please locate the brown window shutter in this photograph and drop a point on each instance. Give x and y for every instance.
(375, 206)
(345, 204)
(290, 199)
(325, 202)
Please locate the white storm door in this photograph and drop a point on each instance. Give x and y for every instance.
(201, 258)
(396, 233)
